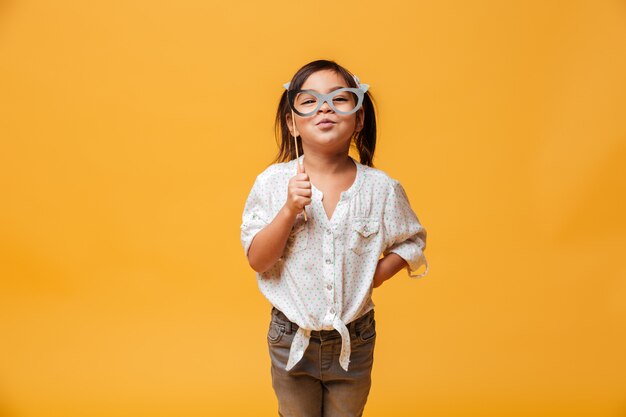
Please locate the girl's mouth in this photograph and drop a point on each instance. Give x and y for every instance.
(325, 123)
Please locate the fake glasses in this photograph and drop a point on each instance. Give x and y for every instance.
(344, 100)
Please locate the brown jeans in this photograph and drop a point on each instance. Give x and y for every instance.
(317, 386)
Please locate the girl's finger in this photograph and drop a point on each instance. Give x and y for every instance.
(303, 192)
(304, 201)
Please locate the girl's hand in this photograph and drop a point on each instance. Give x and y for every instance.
(298, 192)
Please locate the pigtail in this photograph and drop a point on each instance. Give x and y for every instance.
(365, 140)
(284, 140)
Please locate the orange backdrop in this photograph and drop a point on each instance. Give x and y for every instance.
(131, 134)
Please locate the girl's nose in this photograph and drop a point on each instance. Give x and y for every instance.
(325, 107)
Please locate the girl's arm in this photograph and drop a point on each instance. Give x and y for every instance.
(268, 244)
(403, 232)
(387, 267)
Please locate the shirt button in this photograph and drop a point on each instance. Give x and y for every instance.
(329, 261)
(329, 287)
(332, 311)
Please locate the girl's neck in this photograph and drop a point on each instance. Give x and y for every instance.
(326, 164)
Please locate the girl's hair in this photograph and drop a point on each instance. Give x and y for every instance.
(365, 140)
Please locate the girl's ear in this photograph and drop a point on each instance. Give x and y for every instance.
(290, 125)
(360, 120)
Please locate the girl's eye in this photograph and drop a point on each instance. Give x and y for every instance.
(308, 102)
(340, 99)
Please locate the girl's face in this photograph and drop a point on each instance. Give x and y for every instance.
(326, 130)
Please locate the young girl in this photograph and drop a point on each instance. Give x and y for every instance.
(314, 227)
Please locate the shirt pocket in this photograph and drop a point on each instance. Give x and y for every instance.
(363, 235)
(298, 237)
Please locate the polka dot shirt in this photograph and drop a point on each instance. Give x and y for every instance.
(324, 278)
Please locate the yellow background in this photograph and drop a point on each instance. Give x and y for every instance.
(131, 133)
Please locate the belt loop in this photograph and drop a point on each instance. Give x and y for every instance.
(288, 327)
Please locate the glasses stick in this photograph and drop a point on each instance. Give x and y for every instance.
(295, 142)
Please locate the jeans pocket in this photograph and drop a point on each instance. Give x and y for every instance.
(368, 333)
(275, 332)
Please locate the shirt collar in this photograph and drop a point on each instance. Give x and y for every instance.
(345, 195)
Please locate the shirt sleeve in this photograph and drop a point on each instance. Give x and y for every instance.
(256, 213)
(403, 233)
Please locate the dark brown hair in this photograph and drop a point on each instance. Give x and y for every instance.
(364, 141)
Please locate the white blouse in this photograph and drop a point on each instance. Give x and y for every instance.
(324, 278)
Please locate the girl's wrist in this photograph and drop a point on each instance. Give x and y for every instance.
(288, 213)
